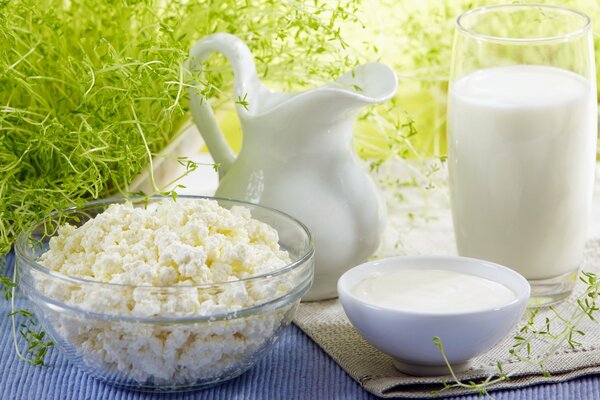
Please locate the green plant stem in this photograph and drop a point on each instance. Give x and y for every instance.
(585, 308)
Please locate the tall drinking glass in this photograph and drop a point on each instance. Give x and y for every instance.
(522, 126)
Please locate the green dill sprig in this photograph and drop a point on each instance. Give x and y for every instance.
(243, 101)
(37, 342)
(552, 333)
(478, 387)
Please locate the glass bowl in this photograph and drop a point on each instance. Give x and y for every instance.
(175, 353)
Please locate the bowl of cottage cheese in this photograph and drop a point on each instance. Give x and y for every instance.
(164, 294)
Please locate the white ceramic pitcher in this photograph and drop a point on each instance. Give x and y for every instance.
(297, 156)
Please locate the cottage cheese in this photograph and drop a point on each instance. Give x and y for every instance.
(156, 257)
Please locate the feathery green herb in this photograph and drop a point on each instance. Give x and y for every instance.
(91, 90)
(549, 334)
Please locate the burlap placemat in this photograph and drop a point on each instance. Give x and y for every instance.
(421, 224)
(326, 323)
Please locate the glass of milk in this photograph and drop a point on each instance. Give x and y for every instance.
(522, 128)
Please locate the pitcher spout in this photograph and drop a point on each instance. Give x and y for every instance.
(369, 83)
(366, 84)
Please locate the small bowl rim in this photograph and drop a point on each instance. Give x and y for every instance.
(21, 252)
(520, 297)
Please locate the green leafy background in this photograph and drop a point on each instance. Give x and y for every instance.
(90, 90)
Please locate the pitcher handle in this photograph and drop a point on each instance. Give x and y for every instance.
(245, 81)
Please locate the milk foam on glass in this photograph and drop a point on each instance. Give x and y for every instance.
(522, 126)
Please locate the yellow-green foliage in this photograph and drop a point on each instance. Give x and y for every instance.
(415, 38)
(89, 89)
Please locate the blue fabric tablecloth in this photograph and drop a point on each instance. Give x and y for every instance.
(296, 368)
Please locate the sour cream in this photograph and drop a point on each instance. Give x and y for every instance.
(432, 291)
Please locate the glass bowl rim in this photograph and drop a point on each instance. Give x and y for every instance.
(22, 253)
(583, 29)
(257, 309)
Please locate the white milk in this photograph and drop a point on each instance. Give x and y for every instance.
(432, 291)
(521, 156)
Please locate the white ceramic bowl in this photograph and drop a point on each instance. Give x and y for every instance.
(408, 336)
